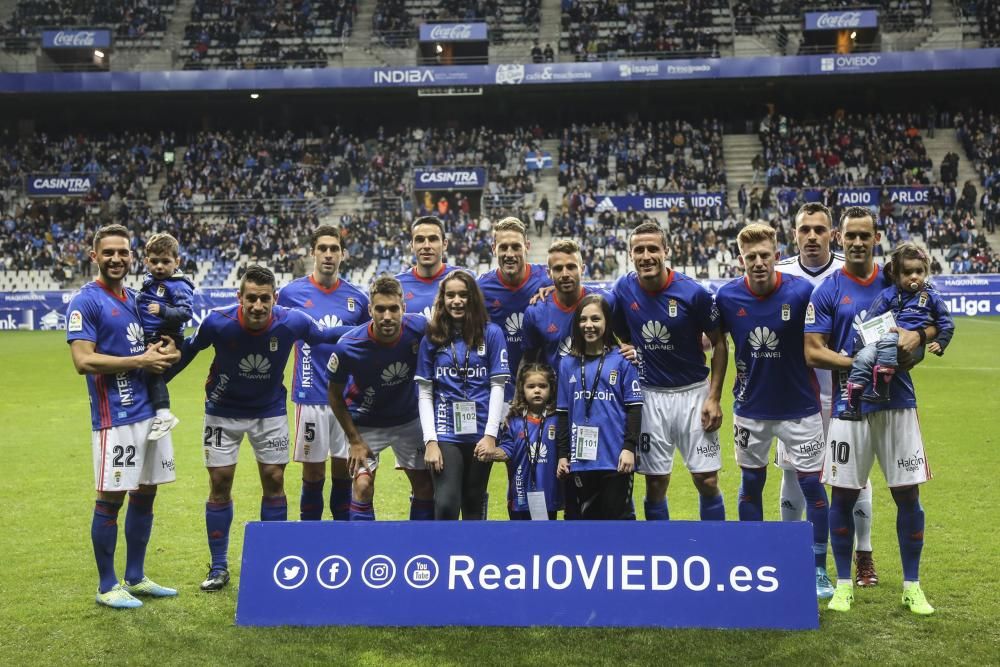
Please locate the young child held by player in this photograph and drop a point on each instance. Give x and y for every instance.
(528, 446)
(164, 307)
(914, 305)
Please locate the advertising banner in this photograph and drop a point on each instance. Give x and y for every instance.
(528, 573)
(76, 39)
(453, 32)
(660, 202)
(457, 178)
(59, 185)
(841, 20)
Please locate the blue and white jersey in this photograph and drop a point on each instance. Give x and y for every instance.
(548, 325)
(506, 305)
(772, 378)
(378, 377)
(419, 292)
(246, 379)
(837, 309)
(174, 295)
(532, 459)
(665, 327)
(916, 310)
(340, 305)
(462, 374)
(605, 396)
(112, 323)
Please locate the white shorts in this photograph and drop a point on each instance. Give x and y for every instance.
(892, 436)
(406, 440)
(318, 435)
(124, 458)
(671, 419)
(223, 436)
(803, 437)
(780, 458)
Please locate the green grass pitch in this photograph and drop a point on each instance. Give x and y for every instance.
(48, 578)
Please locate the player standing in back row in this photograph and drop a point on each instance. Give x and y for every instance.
(815, 262)
(420, 284)
(663, 313)
(333, 301)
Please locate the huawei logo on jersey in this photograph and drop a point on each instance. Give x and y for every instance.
(655, 332)
(539, 452)
(395, 373)
(565, 346)
(427, 312)
(859, 319)
(133, 333)
(513, 324)
(255, 367)
(552, 328)
(763, 341)
(330, 321)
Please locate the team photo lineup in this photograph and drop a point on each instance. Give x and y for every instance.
(597, 384)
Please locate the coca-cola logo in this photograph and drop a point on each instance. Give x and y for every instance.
(841, 20)
(75, 38)
(451, 32)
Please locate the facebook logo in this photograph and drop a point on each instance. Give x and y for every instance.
(333, 572)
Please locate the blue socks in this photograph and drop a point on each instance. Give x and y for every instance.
(138, 526)
(421, 510)
(361, 511)
(218, 519)
(751, 503)
(910, 532)
(340, 499)
(842, 530)
(712, 507)
(311, 500)
(274, 508)
(817, 513)
(104, 535)
(657, 511)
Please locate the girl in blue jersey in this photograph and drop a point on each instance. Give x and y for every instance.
(461, 372)
(599, 417)
(528, 446)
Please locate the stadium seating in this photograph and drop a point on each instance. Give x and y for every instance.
(133, 24)
(602, 30)
(267, 35)
(395, 22)
(980, 21)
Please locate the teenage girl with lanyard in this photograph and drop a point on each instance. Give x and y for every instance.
(528, 445)
(461, 373)
(599, 417)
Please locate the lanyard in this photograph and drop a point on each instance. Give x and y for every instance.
(589, 401)
(454, 364)
(533, 451)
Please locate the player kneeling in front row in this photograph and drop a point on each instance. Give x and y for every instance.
(776, 394)
(245, 396)
(373, 395)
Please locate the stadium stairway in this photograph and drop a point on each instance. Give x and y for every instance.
(945, 141)
(548, 187)
(739, 151)
(550, 25)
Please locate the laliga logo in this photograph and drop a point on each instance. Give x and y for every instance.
(827, 20)
(445, 32)
(510, 75)
(76, 38)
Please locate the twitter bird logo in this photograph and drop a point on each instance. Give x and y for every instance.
(291, 572)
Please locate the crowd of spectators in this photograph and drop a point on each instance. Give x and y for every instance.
(121, 162)
(896, 15)
(395, 25)
(986, 14)
(127, 19)
(611, 29)
(842, 149)
(642, 156)
(220, 27)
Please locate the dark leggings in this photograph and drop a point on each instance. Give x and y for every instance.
(461, 485)
(599, 494)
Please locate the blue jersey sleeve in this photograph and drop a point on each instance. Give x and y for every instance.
(203, 337)
(942, 319)
(564, 391)
(631, 389)
(821, 309)
(708, 313)
(336, 367)
(508, 441)
(882, 304)
(618, 322)
(531, 339)
(496, 351)
(180, 311)
(425, 361)
(81, 321)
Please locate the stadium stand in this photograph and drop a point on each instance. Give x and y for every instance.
(980, 21)
(133, 24)
(395, 22)
(267, 35)
(608, 30)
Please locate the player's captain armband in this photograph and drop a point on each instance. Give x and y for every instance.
(810, 314)
(334, 363)
(876, 327)
(75, 322)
